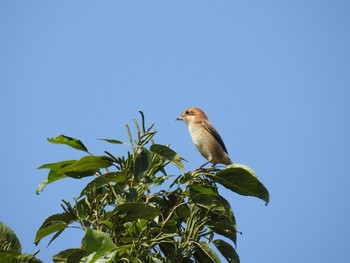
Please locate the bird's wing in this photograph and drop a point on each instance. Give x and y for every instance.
(210, 128)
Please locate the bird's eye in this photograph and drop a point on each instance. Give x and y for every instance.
(187, 112)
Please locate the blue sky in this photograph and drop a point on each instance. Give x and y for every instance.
(273, 77)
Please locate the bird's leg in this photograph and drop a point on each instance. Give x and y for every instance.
(201, 167)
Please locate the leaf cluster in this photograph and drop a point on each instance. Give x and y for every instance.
(124, 217)
(11, 249)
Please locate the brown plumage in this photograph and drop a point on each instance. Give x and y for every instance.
(205, 137)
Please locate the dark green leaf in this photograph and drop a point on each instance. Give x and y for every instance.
(112, 141)
(168, 154)
(87, 164)
(242, 180)
(204, 190)
(183, 211)
(52, 224)
(8, 239)
(142, 163)
(104, 179)
(219, 213)
(227, 251)
(133, 211)
(131, 195)
(69, 255)
(72, 142)
(205, 254)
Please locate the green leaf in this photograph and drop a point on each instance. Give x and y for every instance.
(11, 256)
(142, 163)
(134, 211)
(8, 239)
(52, 224)
(104, 179)
(183, 211)
(94, 240)
(87, 164)
(227, 251)
(53, 175)
(105, 254)
(205, 254)
(219, 213)
(208, 190)
(72, 142)
(168, 154)
(56, 166)
(243, 181)
(112, 141)
(69, 255)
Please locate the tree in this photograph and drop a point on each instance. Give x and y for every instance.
(124, 217)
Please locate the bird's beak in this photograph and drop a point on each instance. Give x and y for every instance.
(179, 118)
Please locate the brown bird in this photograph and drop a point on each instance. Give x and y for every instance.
(205, 137)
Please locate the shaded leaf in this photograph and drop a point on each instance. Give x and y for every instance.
(183, 211)
(168, 154)
(69, 255)
(220, 216)
(243, 181)
(72, 142)
(87, 164)
(133, 211)
(142, 163)
(205, 254)
(104, 179)
(112, 141)
(227, 251)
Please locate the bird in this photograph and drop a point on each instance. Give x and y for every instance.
(205, 137)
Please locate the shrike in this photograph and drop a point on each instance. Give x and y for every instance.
(205, 137)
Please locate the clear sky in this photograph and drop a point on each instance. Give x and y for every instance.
(273, 77)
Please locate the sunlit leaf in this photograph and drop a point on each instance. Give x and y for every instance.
(9, 256)
(72, 142)
(88, 164)
(243, 181)
(95, 239)
(53, 175)
(8, 239)
(56, 166)
(53, 224)
(168, 154)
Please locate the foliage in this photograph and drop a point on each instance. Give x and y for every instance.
(126, 219)
(11, 249)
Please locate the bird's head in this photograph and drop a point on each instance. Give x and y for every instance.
(192, 115)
